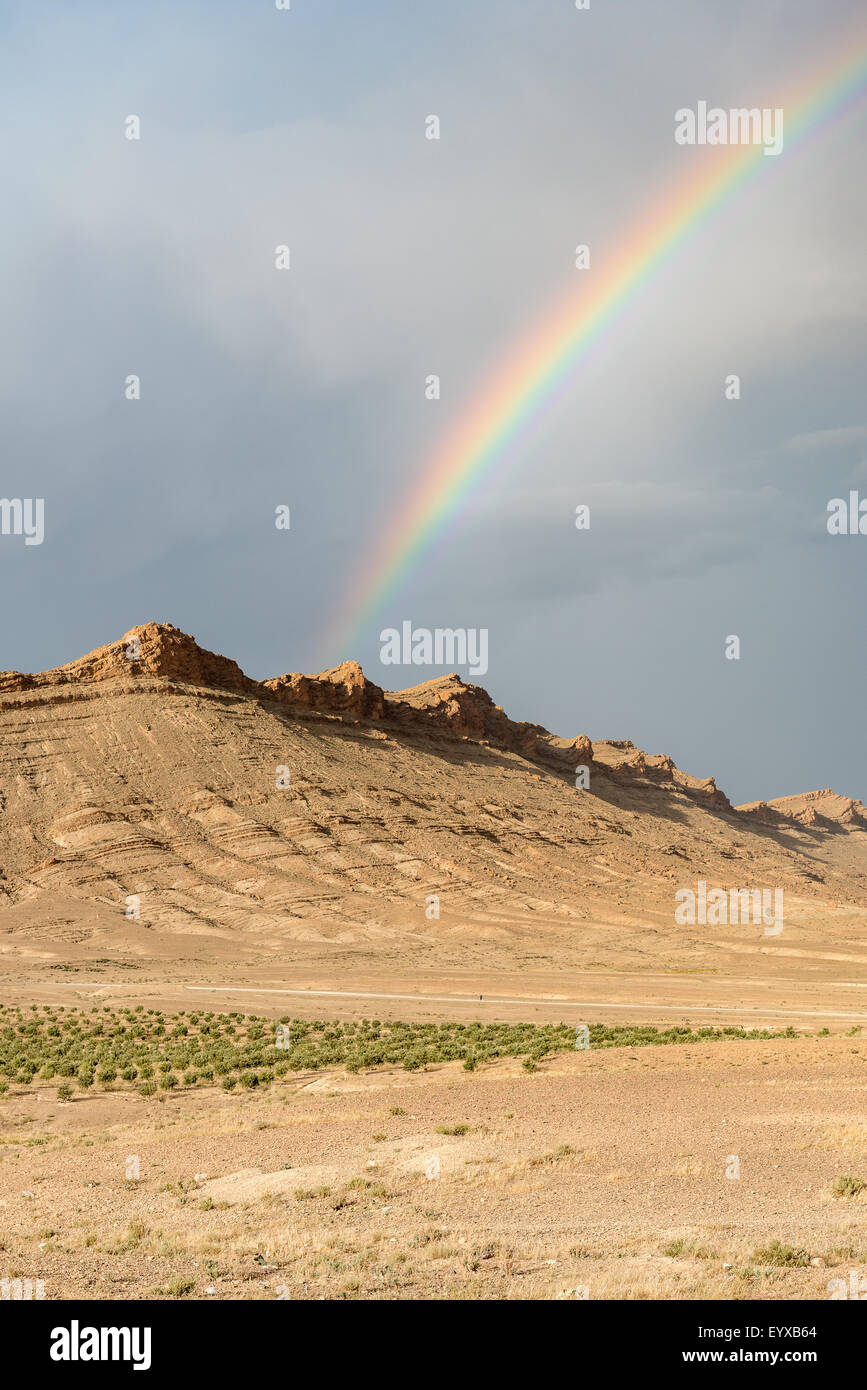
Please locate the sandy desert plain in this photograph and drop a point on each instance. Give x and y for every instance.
(241, 1057)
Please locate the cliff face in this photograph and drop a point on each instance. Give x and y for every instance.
(154, 649)
(449, 704)
(344, 690)
(445, 705)
(312, 816)
(824, 809)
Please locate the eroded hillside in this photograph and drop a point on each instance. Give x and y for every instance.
(144, 778)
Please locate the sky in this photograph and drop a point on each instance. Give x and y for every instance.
(305, 387)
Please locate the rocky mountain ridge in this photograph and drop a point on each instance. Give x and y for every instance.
(442, 705)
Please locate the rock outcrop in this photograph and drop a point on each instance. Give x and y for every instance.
(344, 690)
(445, 705)
(621, 758)
(155, 649)
(824, 809)
(466, 711)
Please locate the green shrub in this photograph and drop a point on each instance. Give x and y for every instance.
(177, 1288)
(102, 1044)
(848, 1185)
(784, 1256)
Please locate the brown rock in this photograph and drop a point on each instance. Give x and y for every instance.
(344, 690)
(156, 649)
(466, 711)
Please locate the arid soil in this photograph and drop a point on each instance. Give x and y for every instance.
(602, 1175)
(175, 834)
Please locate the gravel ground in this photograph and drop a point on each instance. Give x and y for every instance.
(602, 1175)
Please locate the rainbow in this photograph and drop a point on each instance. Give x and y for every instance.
(542, 361)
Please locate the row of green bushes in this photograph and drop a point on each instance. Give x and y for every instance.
(147, 1047)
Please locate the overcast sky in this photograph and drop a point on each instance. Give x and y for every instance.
(409, 256)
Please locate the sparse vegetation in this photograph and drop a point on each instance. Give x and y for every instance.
(848, 1185)
(360, 1219)
(684, 1249)
(783, 1256)
(176, 1288)
(123, 1047)
(564, 1151)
